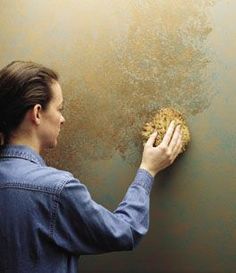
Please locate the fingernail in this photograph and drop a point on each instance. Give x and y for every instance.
(172, 123)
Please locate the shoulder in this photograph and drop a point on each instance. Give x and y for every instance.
(51, 178)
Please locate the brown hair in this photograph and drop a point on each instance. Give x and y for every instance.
(22, 86)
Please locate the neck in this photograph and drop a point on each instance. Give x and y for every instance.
(27, 142)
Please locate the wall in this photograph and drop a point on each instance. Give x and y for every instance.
(119, 61)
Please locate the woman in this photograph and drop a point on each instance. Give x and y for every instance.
(47, 216)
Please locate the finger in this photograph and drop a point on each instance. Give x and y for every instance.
(168, 134)
(152, 139)
(175, 138)
(178, 147)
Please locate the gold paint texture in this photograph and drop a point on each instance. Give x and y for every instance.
(154, 53)
(119, 62)
(161, 122)
(144, 55)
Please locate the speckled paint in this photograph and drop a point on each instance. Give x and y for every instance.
(119, 61)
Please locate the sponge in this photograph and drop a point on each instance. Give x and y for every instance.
(161, 122)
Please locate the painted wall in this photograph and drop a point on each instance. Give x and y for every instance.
(119, 61)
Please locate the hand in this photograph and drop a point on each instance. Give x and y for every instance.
(158, 158)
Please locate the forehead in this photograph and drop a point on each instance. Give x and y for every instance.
(57, 96)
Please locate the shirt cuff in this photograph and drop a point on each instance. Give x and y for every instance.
(144, 179)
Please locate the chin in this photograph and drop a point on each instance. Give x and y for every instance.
(54, 145)
(51, 145)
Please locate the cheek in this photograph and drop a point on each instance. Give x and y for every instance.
(59, 120)
(55, 122)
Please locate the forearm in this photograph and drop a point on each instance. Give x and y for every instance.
(84, 227)
(134, 208)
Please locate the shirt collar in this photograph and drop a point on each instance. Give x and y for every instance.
(21, 151)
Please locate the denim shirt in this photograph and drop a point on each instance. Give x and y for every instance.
(48, 218)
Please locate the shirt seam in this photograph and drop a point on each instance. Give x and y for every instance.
(56, 200)
(25, 186)
(22, 155)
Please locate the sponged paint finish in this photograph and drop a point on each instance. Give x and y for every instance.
(128, 59)
(119, 62)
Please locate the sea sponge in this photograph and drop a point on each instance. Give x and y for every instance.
(161, 122)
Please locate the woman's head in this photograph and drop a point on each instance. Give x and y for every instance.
(22, 86)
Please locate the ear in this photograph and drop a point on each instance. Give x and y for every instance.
(36, 114)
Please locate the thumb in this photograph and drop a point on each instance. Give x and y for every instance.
(152, 139)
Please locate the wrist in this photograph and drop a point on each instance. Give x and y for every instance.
(152, 173)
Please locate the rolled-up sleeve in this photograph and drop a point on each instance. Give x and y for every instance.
(81, 226)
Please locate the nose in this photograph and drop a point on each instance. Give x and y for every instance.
(62, 120)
